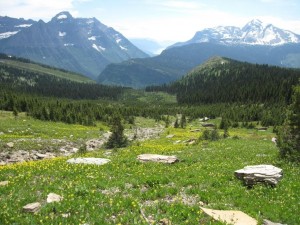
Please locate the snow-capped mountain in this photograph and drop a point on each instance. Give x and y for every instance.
(11, 26)
(253, 33)
(83, 45)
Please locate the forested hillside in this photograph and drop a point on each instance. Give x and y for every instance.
(221, 80)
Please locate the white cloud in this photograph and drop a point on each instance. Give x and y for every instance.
(35, 9)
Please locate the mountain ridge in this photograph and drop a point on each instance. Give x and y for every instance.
(82, 45)
(254, 32)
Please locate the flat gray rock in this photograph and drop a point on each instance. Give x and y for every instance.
(52, 197)
(32, 207)
(230, 216)
(157, 158)
(259, 173)
(93, 161)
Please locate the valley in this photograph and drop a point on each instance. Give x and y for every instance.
(95, 131)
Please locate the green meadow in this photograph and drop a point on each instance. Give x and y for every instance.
(126, 191)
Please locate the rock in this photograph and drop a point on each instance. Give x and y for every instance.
(268, 222)
(165, 221)
(4, 183)
(41, 156)
(259, 173)
(177, 142)
(262, 128)
(32, 207)
(94, 144)
(157, 158)
(10, 144)
(196, 130)
(230, 216)
(170, 136)
(274, 140)
(208, 125)
(94, 161)
(52, 197)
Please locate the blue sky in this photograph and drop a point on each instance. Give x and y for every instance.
(174, 20)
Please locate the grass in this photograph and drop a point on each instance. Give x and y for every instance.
(126, 191)
(49, 71)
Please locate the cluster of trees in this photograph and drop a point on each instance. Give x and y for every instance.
(234, 82)
(35, 83)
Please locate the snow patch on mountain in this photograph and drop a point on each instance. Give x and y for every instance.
(24, 25)
(62, 16)
(7, 34)
(98, 48)
(62, 34)
(123, 48)
(93, 38)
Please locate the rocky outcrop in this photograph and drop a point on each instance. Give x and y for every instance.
(259, 173)
(268, 222)
(157, 158)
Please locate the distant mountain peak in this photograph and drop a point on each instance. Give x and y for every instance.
(254, 32)
(65, 15)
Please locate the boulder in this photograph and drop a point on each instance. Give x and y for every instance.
(259, 173)
(10, 144)
(32, 207)
(93, 161)
(4, 183)
(230, 216)
(52, 197)
(157, 158)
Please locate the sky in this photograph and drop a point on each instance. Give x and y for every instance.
(162, 20)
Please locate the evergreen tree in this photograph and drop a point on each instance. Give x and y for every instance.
(176, 124)
(289, 135)
(117, 139)
(183, 121)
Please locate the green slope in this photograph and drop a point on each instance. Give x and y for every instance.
(222, 80)
(42, 69)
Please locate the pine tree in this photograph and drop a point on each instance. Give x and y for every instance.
(289, 135)
(117, 139)
(183, 121)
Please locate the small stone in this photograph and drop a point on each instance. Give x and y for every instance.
(10, 144)
(208, 125)
(32, 207)
(94, 161)
(268, 222)
(41, 156)
(165, 221)
(157, 158)
(170, 136)
(52, 197)
(66, 215)
(4, 183)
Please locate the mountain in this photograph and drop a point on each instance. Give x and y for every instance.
(83, 45)
(175, 62)
(253, 33)
(11, 26)
(255, 43)
(223, 80)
